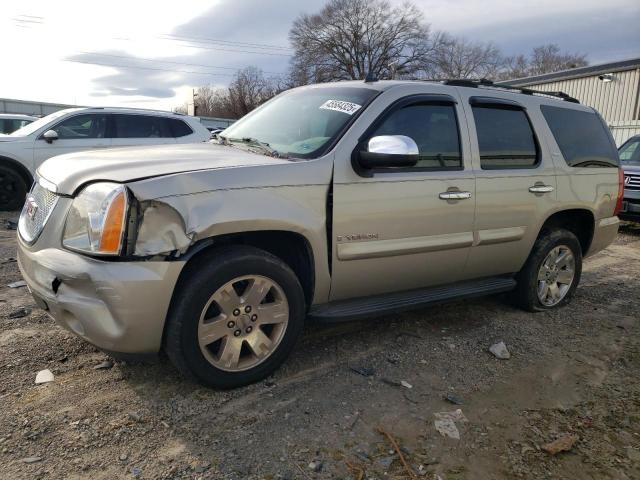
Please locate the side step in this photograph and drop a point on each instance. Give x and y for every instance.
(344, 310)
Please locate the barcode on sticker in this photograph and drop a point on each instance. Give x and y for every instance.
(341, 106)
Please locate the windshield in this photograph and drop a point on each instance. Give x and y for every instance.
(630, 153)
(301, 123)
(34, 126)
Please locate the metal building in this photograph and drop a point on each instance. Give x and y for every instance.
(611, 88)
(216, 122)
(37, 109)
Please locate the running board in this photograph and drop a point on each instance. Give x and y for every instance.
(344, 310)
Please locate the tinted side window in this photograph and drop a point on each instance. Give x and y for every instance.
(434, 128)
(505, 138)
(581, 136)
(178, 128)
(630, 153)
(140, 126)
(82, 126)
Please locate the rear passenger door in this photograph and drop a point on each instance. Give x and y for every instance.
(138, 129)
(515, 182)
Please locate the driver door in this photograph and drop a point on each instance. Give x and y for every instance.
(75, 134)
(398, 229)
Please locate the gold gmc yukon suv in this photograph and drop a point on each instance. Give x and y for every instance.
(331, 202)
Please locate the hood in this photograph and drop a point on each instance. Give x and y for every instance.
(9, 138)
(69, 172)
(631, 168)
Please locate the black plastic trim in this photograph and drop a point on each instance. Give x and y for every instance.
(358, 308)
(495, 102)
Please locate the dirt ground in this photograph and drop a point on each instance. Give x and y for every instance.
(572, 372)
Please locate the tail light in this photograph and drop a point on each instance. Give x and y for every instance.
(620, 192)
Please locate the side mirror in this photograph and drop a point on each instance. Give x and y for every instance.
(50, 136)
(386, 151)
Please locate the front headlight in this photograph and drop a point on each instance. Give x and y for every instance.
(97, 218)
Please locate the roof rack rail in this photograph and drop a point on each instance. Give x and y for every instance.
(483, 82)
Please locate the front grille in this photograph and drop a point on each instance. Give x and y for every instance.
(631, 181)
(38, 206)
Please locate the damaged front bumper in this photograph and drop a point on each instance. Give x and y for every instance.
(118, 306)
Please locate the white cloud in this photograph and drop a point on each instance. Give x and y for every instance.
(46, 35)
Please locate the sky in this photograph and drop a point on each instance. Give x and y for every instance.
(152, 54)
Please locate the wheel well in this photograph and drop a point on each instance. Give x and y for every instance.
(580, 222)
(18, 167)
(292, 248)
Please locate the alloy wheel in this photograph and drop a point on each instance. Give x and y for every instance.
(556, 275)
(243, 323)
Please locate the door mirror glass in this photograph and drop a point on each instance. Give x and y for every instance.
(386, 151)
(50, 136)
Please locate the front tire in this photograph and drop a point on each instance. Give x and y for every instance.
(13, 189)
(552, 272)
(235, 317)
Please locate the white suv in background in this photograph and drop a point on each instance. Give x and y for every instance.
(77, 129)
(10, 122)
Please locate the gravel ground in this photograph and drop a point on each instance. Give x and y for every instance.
(573, 375)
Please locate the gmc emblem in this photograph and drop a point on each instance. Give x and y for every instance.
(32, 207)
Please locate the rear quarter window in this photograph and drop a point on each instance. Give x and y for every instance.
(140, 126)
(179, 128)
(583, 138)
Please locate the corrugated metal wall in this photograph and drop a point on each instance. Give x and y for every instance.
(30, 108)
(616, 101)
(622, 131)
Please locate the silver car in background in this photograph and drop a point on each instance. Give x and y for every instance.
(630, 162)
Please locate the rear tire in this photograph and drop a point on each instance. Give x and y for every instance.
(235, 317)
(13, 189)
(552, 272)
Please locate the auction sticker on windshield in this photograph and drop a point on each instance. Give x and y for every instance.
(341, 106)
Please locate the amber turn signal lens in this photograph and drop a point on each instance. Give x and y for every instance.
(113, 225)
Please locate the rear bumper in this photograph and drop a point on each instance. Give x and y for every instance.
(631, 207)
(604, 234)
(116, 306)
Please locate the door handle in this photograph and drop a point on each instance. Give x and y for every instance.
(541, 189)
(454, 195)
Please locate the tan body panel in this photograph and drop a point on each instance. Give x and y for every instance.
(300, 210)
(421, 240)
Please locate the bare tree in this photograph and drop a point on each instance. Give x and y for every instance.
(182, 109)
(204, 98)
(549, 58)
(455, 57)
(349, 39)
(514, 67)
(543, 59)
(248, 89)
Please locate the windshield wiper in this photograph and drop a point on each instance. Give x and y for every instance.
(254, 142)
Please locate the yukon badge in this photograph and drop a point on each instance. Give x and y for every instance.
(32, 207)
(355, 237)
